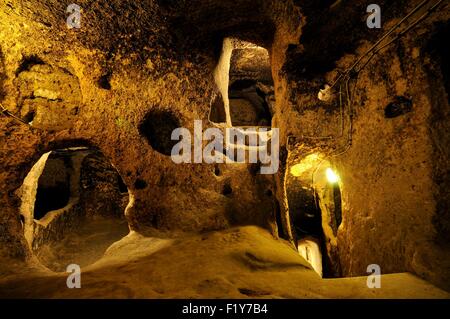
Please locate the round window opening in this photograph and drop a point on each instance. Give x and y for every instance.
(157, 128)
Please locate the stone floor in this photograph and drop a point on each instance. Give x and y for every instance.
(237, 263)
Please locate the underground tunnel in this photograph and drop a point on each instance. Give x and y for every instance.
(69, 196)
(93, 97)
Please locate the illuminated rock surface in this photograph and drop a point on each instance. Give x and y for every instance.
(135, 70)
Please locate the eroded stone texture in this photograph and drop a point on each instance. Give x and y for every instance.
(387, 165)
(48, 99)
(101, 193)
(97, 86)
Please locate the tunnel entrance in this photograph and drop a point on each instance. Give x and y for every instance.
(246, 95)
(251, 90)
(53, 190)
(315, 209)
(73, 203)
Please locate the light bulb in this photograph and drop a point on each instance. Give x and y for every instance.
(332, 176)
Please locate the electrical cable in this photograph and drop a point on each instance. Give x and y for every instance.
(5, 112)
(355, 64)
(348, 72)
(402, 33)
(373, 51)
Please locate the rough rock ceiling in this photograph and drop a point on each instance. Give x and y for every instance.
(138, 70)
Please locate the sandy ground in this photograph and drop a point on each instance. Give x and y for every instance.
(238, 263)
(83, 246)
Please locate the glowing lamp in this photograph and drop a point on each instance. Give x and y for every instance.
(332, 176)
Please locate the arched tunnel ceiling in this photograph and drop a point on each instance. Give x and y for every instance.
(125, 26)
(171, 28)
(214, 20)
(328, 26)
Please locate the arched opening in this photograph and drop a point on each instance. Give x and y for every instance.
(315, 209)
(73, 203)
(246, 95)
(53, 190)
(157, 128)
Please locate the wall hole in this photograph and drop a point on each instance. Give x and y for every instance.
(217, 170)
(217, 114)
(157, 128)
(140, 184)
(122, 186)
(28, 62)
(227, 190)
(104, 81)
(399, 106)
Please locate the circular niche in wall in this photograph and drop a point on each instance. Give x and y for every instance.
(157, 128)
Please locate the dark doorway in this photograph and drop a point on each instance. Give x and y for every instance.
(54, 185)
